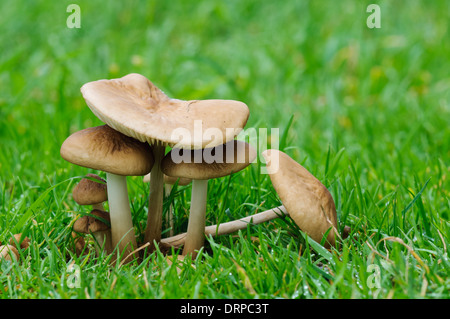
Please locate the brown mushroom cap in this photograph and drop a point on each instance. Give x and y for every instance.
(136, 107)
(307, 200)
(92, 223)
(233, 157)
(103, 148)
(89, 192)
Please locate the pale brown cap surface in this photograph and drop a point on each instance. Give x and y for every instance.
(136, 107)
(209, 163)
(9, 252)
(307, 200)
(92, 223)
(90, 192)
(103, 148)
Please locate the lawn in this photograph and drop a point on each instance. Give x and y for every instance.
(366, 110)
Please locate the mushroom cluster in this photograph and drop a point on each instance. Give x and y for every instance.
(171, 141)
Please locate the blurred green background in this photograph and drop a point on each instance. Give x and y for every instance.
(380, 93)
(379, 96)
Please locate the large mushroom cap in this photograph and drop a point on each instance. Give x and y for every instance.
(89, 192)
(307, 200)
(136, 107)
(103, 148)
(224, 160)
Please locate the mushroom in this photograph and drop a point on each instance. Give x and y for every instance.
(90, 192)
(94, 224)
(79, 244)
(136, 107)
(103, 148)
(307, 200)
(9, 252)
(168, 185)
(19, 242)
(228, 158)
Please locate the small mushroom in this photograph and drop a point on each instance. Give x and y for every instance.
(169, 181)
(9, 252)
(94, 224)
(79, 244)
(134, 106)
(229, 158)
(19, 242)
(307, 200)
(103, 148)
(90, 192)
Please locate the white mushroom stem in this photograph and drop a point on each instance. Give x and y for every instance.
(155, 199)
(195, 236)
(122, 231)
(229, 227)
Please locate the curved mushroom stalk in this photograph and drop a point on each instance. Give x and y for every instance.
(155, 199)
(228, 227)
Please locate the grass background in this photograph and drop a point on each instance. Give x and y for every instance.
(370, 118)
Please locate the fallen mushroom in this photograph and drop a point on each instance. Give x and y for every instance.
(97, 224)
(228, 158)
(103, 148)
(9, 252)
(136, 107)
(168, 185)
(307, 200)
(90, 192)
(226, 228)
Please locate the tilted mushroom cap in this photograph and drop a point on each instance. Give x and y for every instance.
(103, 148)
(136, 107)
(92, 223)
(89, 192)
(233, 157)
(307, 200)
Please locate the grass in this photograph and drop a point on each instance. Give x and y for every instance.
(365, 110)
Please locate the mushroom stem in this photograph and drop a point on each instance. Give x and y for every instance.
(195, 236)
(229, 227)
(103, 240)
(98, 206)
(155, 199)
(122, 231)
(169, 215)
